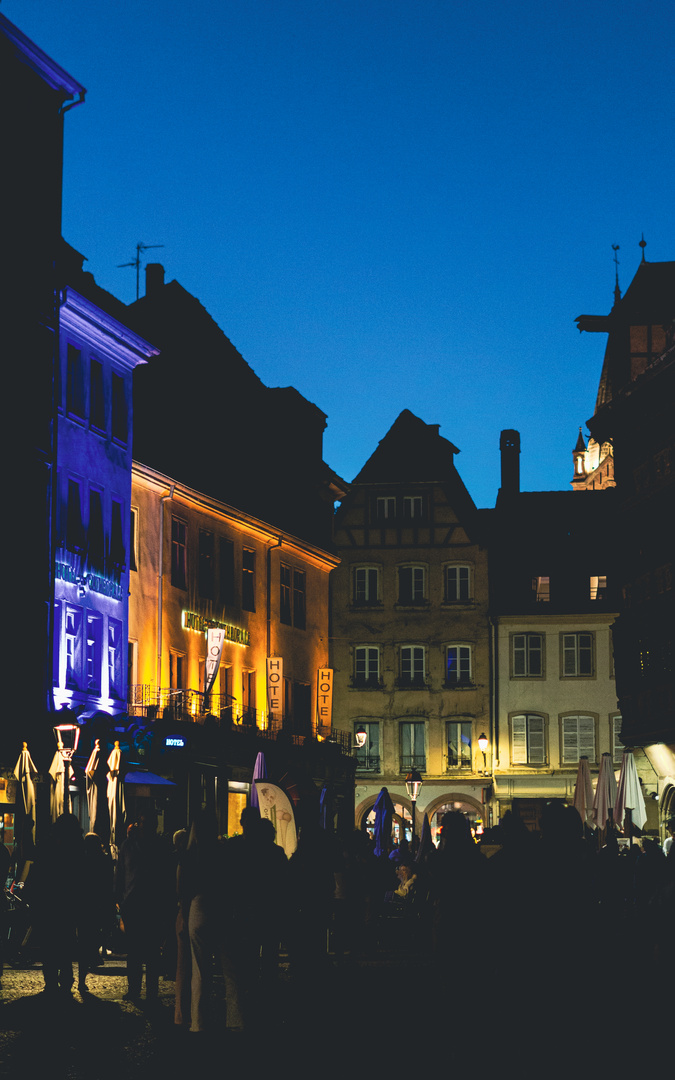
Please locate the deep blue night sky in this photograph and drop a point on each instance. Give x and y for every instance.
(388, 204)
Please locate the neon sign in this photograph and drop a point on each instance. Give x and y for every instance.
(95, 582)
(235, 634)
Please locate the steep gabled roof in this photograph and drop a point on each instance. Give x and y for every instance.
(410, 452)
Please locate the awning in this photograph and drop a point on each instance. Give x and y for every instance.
(147, 779)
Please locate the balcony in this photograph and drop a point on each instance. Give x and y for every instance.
(368, 763)
(413, 761)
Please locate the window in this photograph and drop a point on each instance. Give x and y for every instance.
(206, 568)
(120, 415)
(413, 754)
(176, 670)
(302, 708)
(226, 571)
(367, 666)
(133, 538)
(413, 666)
(365, 581)
(114, 658)
(411, 584)
(385, 507)
(413, 506)
(598, 587)
(74, 382)
(74, 526)
(73, 646)
(459, 744)
(577, 655)
(458, 665)
(93, 652)
(248, 580)
(457, 583)
(117, 551)
(285, 597)
(527, 654)
(528, 743)
(95, 535)
(368, 755)
(617, 745)
(541, 587)
(178, 553)
(578, 739)
(96, 395)
(299, 599)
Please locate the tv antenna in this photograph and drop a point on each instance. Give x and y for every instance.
(137, 262)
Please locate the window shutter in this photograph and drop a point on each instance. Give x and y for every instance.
(535, 740)
(519, 740)
(587, 737)
(570, 738)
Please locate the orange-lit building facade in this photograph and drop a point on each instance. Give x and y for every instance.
(199, 563)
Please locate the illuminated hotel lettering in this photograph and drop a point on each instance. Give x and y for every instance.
(193, 621)
(324, 696)
(104, 586)
(275, 682)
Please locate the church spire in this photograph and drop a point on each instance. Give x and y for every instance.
(643, 244)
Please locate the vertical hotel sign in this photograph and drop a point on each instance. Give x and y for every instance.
(324, 697)
(275, 682)
(214, 650)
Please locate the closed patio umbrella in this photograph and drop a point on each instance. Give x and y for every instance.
(116, 807)
(96, 801)
(25, 772)
(57, 795)
(583, 793)
(384, 817)
(426, 842)
(259, 773)
(630, 804)
(605, 793)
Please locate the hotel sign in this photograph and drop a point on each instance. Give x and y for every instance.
(324, 697)
(95, 582)
(275, 682)
(235, 634)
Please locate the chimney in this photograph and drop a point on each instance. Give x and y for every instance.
(154, 278)
(509, 446)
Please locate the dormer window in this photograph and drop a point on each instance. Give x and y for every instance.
(413, 506)
(385, 507)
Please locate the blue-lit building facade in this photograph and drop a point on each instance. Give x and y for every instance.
(97, 357)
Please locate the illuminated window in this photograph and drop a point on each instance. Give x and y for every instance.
(248, 580)
(578, 739)
(96, 395)
(368, 755)
(73, 647)
(411, 584)
(458, 669)
(527, 655)
(541, 587)
(577, 655)
(206, 571)
(93, 652)
(226, 571)
(598, 588)
(74, 382)
(459, 734)
(457, 583)
(120, 412)
(413, 753)
(292, 585)
(115, 658)
(412, 671)
(365, 582)
(367, 666)
(178, 553)
(528, 740)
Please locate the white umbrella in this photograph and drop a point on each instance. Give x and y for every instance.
(25, 772)
(116, 808)
(629, 797)
(56, 794)
(605, 793)
(583, 793)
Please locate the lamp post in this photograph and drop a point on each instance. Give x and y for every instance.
(413, 783)
(67, 737)
(360, 735)
(482, 746)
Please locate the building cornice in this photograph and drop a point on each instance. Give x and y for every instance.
(102, 330)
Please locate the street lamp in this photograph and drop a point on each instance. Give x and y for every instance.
(67, 737)
(482, 746)
(413, 783)
(360, 735)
